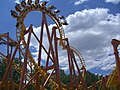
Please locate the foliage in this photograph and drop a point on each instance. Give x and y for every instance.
(89, 78)
(2, 69)
(3, 65)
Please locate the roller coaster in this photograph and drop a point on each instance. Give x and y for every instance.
(33, 73)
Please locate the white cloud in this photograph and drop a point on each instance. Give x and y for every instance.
(80, 2)
(113, 1)
(17, 1)
(91, 32)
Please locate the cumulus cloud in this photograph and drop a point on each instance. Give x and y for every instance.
(17, 1)
(80, 2)
(91, 32)
(113, 1)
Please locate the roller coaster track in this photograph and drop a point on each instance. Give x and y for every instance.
(45, 78)
(21, 29)
(79, 55)
(112, 79)
(50, 83)
(42, 78)
(41, 8)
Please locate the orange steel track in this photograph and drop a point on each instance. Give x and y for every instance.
(32, 71)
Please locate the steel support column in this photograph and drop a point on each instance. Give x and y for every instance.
(57, 69)
(115, 44)
(25, 60)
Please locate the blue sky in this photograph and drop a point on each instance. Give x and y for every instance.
(92, 25)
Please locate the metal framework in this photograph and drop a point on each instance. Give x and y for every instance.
(49, 75)
(114, 78)
(33, 73)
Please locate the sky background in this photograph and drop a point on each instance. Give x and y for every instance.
(92, 26)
